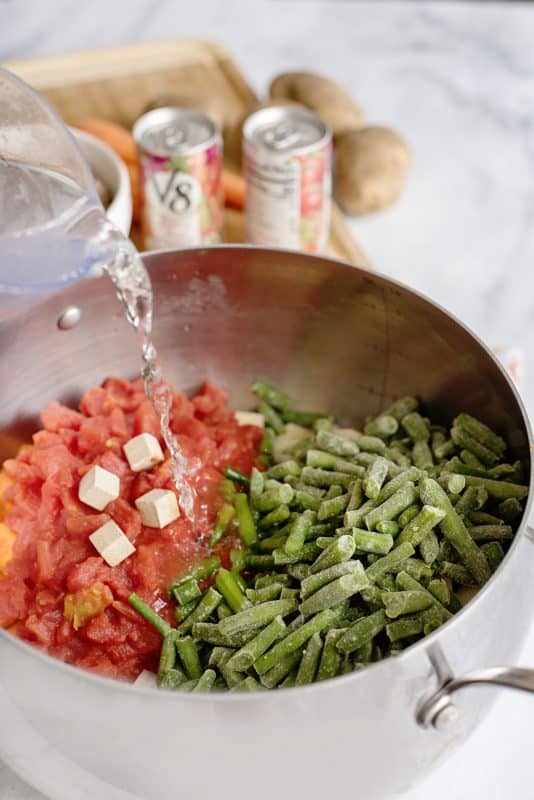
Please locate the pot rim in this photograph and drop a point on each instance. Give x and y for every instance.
(114, 685)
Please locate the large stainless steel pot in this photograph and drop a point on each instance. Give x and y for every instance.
(338, 339)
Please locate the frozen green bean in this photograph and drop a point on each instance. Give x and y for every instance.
(500, 490)
(337, 444)
(362, 631)
(257, 616)
(429, 548)
(332, 507)
(482, 432)
(376, 475)
(421, 525)
(309, 661)
(370, 542)
(408, 514)
(294, 641)
(494, 553)
(393, 506)
(325, 478)
(455, 531)
(229, 588)
(245, 657)
(280, 670)
(330, 661)
(335, 592)
(406, 582)
(405, 628)
(408, 602)
(387, 563)
(510, 509)
(298, 533)
(439, 588)
(422, 455)
(487, 533)
(341, 549)
(224, 517)
(416, 427)
(383, 426)
(388, 526)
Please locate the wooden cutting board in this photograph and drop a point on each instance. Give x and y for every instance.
(118, 84)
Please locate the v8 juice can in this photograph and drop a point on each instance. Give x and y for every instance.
(288, 169)
(180, 153)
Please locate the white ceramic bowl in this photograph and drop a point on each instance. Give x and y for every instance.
(106, 165)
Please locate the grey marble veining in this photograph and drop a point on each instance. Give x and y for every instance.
(457, 80)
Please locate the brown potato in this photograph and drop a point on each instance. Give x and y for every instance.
(210, 106)
(328, 99)
(370, 169)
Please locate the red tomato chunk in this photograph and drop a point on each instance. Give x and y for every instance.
(57, 591)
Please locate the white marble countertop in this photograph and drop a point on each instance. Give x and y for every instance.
(457, 80)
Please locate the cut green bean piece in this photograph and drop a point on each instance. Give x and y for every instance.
(257, 616)
(270, 592)
(308, 553)
(416, 427)
(223, 611)
(277, 516)
(182, 612)
(356, 495)
(250, 684)
(387, 563)
(317, 580)
(157, 622)
(271, 543)
(233, 678)
(236, 476)
(429, 548)
(406, 582)
(387, 583)
(369, 542)
(494, 553)
(362, 631)
(229, 588)
(333, 507)
(224, 517)
(309, 661)
(483, 518)
(421, 525)
(272, 418)
(244, 658)
(331, 658)
(473, 499)
(412, 474)
(405, 628)
(210, 633)
(376, 476)
(276, 495)
(481, 432)
(306, 419)
(500, 490)
(206, 681)
(220, 656)
(388, 526)
(267, 442)
(440, 589)
(335, 592)
(285, 468)
(414, 567)
(333, 492)
(307, 501)
(382, 426)
(455, 531)
(202, 571)
(408, 514)
(456, 465)
(372, 444)
(372, 595)
(393, 506)
(188, 653)
(294, 641)
(167, 657)
(356, 517)
(187, 592)
(488, 533)
(457, 573)
(172, 679)
(280, 670)
(464, 441)
(337, 444)
(341, 549)
(409, 602)
(325, 478)
(510, 509)
(422, 455)
(298, 533)
(471, 460)
(272, 395)
(452, 482)
(401, 407)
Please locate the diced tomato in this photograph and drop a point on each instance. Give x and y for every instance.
(52, 558)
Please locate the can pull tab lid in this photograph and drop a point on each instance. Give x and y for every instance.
(282, 136)
(174, 135)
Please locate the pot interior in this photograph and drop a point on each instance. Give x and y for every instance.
(339, 339)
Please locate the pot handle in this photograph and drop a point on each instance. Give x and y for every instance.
(438, 710)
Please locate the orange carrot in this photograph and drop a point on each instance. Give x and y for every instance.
(116, 136)
(234, 189)
(135, 185)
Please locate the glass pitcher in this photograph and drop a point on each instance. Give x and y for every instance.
(49, 205)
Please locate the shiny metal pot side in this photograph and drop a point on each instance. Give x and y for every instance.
(340, 340)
